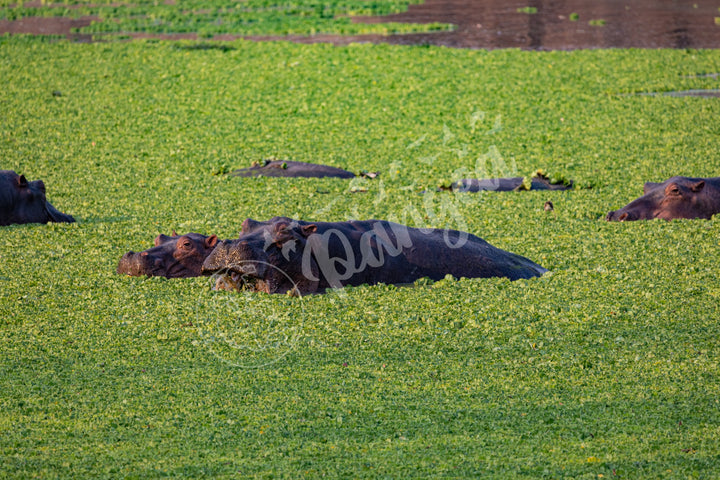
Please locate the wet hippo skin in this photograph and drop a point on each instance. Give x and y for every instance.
(176, 256)
(282, 255)
(677, 197)
(23, 201)
(287, 168)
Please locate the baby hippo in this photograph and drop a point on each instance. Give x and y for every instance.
(177, 256)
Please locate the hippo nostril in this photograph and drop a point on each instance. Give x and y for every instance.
(609, 216)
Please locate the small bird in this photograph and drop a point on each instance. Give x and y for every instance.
(549, 206)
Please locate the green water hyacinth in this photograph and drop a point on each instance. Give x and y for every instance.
(605, 368)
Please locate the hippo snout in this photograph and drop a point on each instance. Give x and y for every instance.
(125, 264)
(208, 269)
(216, 260)
(232, 255)
(131, 264)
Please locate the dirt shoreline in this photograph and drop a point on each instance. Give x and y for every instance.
(491, 24)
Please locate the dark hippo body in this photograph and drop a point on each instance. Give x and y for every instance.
(24, 202)
(178, 256)
(539, 182)
(677, 197)
(286, 168)
(282, 254)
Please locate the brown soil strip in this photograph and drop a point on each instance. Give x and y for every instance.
(490, 24)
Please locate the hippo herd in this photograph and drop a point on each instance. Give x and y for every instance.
(284, 255)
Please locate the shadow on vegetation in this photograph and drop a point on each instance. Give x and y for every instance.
(206, 46)
(705, 93)
(99, 220)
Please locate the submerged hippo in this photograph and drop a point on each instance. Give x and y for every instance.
(287, 168)
(538, 182)
(178, 256)
(24, 202)
(677, 197)
(284, 255)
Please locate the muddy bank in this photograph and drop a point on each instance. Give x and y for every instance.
(564, 24)
(48, 26)
(490, 24)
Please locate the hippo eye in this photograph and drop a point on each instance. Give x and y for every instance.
(674, 190)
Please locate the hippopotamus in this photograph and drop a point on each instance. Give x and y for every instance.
(22, 201)
(287, 168)
(538, 182)
(676, 197)
(176, 256)
(283, 255)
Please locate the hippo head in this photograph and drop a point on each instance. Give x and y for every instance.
(22, 201)
(677, 197)
(267, 257)
(178, 256)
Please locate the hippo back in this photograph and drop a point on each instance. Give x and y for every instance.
(287, 168)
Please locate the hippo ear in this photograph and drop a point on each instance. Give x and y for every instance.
(649, 186)
(174, 233)
(22, 181)
(248, 225)
(160, 239)
(211, 241)
(698, 186)
(308, 230)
